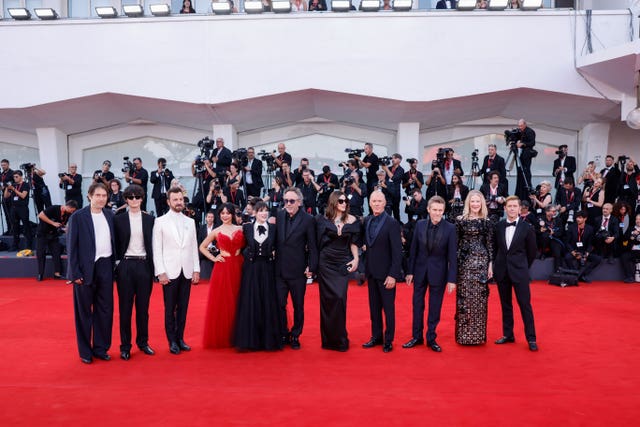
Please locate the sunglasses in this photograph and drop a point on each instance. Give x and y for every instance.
(290, 201)
(342, 201)
(133, 197)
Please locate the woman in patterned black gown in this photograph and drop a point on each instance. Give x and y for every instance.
(475, 254)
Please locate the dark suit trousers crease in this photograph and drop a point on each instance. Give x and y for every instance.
(523, 297)
(297, 287)
(135, 281)
(382, 300)
(93, 309)
(436, 294)
(176, 302)
(55, 248)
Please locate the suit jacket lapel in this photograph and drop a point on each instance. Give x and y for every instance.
(296, 219)
(376, 231)
(517, 233)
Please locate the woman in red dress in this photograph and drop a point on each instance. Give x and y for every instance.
(225, 279)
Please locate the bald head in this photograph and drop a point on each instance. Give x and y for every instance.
(377, 202)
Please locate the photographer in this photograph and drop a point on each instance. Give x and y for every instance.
(356, 191)
(253, 174)
(416, 207)
(568, 199)
(232, 174)
(18, 192)
(275, 196)
(104, 175)
(233, 194)
(412, 178)
(436, 184)
(349, 167)
(297, 174)
(221, 157)
(382, 186)
(71, 183)
(138, 176)
(6, 177)
(564, 166)
(202, 170)
(550, 236)
(611, 175)
(282, 157)
(327, 182)
(593, 199)
(285, 174)
(631, 251)
(607, 233)
(628, 186)
(214, 197)
(41, 195)
(450, 166)
(51, 226)
(541, 198)
(579, 245)
(395, 173)
(525, 143)
(309, 190)
(494, 162)
(161, 180)
(116, 200)
(371, 163)
(495, 194)
(456, 195)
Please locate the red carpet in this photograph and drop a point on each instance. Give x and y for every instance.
(586, 372)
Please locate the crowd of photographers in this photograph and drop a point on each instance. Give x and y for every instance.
(579, 222)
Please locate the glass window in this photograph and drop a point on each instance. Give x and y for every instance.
(79, 8)
(32, 4)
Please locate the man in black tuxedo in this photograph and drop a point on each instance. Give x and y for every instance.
(296, 259)
(90, 249)
(564, 166)
(134, 271)
(446, 4)
(161, 180)
(221, 158)
(611, 175)
(494, 162)
(579, 244)
(432, 263)
(253, 174)
(515, 251)
(383, 263)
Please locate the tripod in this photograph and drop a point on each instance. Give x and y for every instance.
(515, 158)
(199, 185)
(475, 171)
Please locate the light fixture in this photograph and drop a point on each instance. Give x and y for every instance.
(19, 13)
(466, 4)
(160, 9)
(370, 5)
(45, 13)
(133, 10)
(340, 5)
(531, 4)
(106, 11)
(253, 6)
(633, 118)
(281, 6)
(402, 5)
(498, 4)
(221, 7)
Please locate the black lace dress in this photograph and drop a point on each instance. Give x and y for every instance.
(475, 252)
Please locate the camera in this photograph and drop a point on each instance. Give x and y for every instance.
(570, 219)
(512, 136)
(206, 147)
(407, 198)
(324, 187)
(97, 175)
(127, 166)
(267, 157)
(386, 160)
(623, 159)
(62, 174)
(199, 165)
(27, 166)
(457, 202)
(348, 180)
(353, 153)
(411, 161)
(240, 155)
(474, 156)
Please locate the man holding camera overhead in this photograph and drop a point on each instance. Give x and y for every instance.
(161, 180)
(395, 173)
(139, 176)
(412, 178)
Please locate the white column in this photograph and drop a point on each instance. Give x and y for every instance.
(228, 133)
(54, 155)
(408, 141)
(593, 143)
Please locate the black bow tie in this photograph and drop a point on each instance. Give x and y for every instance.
(510, 224)
(261, 230)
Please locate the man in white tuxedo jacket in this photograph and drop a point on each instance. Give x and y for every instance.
(176, 262)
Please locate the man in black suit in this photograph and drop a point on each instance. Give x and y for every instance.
(579, 244)
(569, 199)
(253, 174)
(221, 158)
(608, 234)
(432, 263)
(611, 175)
(296, 259)
(90, 249)
(134, 272)
(515, 251)
(550, 236)
(564, 166)
(161, 180)
(450, 166)
(446, 4)
(383, 263)
(494, 162)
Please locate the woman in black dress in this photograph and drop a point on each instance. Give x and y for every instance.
(338, 235)
(257, 318)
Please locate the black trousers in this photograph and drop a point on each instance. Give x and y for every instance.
(297, 288)
(93, 310)
(523, 296)
(161, 205)
(52, 244)
(135, 283)
(628, 260)
(42, 199)
(6, 207)
(253, 190)
(436, 294)
(395, 206)
(382, 300)
(176, 302)
(592, 262)
(20, 214)
(553, 246)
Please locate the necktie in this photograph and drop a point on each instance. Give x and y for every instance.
(605, 223)
(261, 230)
(509, 224)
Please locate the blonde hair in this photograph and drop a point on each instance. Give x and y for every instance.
(484, 212)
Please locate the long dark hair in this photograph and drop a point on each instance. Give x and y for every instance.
(231, 209)
(332, 206)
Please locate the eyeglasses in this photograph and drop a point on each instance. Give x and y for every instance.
(342, 201)
(133, 197)
(290, 201)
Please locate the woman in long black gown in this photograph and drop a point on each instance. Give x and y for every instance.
(257, 318)
(338, 235)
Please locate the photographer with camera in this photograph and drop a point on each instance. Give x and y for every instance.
(104, 175)
(356, 191)
(232, 174)
(161, 180)
(579, 244)
(495, 195)
(550, 236)
(18, 192)
(395, 173)
(564, 166)
(541, 198)
(349, 167)
(71, 183)
(53, 221)
(233, 194)
(221, 157)
(214, 197)
(115, 200)
(297, 174)
(412, 178)
(526, 140)
(435, 181)
(630, 256)
(593, 200)
(6, 177)
(285, 174)
(33, 176)
(494, 162)
(382, 186)
(628, 186)
(456, 195)
(611, 175)
(309, 189)
(327, 182)
(371, 164)
(607, 233)
(416, 206)
(275, 196)
(252, 174)
(282, 157)
(139, 176)
(568, 200)
(450, 166)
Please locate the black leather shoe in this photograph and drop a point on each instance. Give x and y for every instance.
(286, 339)
(39, 277)
(102, 356)
(505, 340)
(434, 346)
(372, 343)
(413, 342)
(295, 343)
(58, 277)
(184, 346)
(125, 355)
(86, 360)
(174, 348)
(533, 346)
(387, 348)
(629, 280)
(585, 279)
(147, 350)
